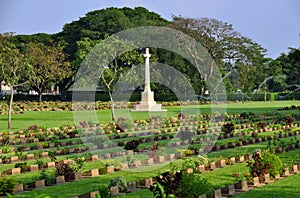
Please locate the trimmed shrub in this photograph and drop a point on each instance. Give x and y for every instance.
(120, 182)
(228, 128)
(194, 185)
(7, 185)
(265, 163)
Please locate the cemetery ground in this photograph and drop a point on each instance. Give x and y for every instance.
(58, 118)
(227, 158)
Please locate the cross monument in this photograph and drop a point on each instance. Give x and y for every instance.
(147, 103)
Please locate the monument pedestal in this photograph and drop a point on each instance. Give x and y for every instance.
(147, 103)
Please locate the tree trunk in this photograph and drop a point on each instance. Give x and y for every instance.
(63, 92)
(202, 90)
(40, 96)
(10, 107)
(112, 106)
(64, 86)
(265, 91)
(243, 89)
(185, 92)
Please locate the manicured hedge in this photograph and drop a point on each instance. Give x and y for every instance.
(288, 96)
(158, 97)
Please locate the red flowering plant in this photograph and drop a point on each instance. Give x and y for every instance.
(208, 148)
(152, 150)
(155, 150)
(181, 116)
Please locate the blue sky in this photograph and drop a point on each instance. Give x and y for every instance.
(274, 24)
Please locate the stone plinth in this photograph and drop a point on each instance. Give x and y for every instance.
(295, 169)
(114, 190)
(94, 158)
(19, 188)
(228, 190)
(221, 163)
(255, 182)
(124, 166)
(78, 176)
(201, 168)
(45, 154)
(60, 179)
(131, 186)
(14, 171)
(241, 186)
(90, 195)
(149, 161)
(170, 157)
(138, 163)
(148, 104)
(33, 168)
(37, 184)
(50, 165)
(146, 183)
(30, 156)
(110, 169)
(217, 193)
(92, 173)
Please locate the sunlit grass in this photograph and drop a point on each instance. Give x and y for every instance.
(58, 118)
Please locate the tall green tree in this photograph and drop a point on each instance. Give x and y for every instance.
(110, 53)
(48, 64)
(97, 25)
(12, 67)
(227, 47)
(290, 64)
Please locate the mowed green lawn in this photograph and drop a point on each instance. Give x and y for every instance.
(58, 118)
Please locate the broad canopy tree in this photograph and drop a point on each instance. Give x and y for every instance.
(98, 25)
(48, 64)
(116, 63)
(290, 64)
(228, 48)
(13, 68)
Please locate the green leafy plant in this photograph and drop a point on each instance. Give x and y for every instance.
(40, 162)
(108, 162)
(275, 162)
(48, 175)
(64, 169)
(194, 185)
(120, 182)
(6, 147)
(22, 165)
(228, 128)
(159, 191)
(288, 119)
(170, 181)
(19, 154)
(52, 156)
(265, 163)
(261, 125)
(78, 164)
(7, 185)
(104, 192)
(188, 163)
(201, 160)
(3, 159)
(241, 177)
(130, 160)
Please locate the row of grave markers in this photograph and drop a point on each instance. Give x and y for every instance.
(202, 168)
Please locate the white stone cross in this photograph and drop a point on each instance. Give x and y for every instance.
(147, 71)
(147, 103)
